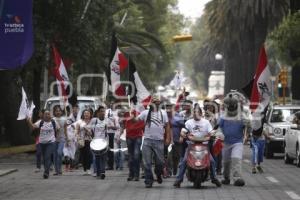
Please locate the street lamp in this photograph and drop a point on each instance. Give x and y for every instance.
(218, 56)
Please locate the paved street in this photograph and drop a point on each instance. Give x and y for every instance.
(279, 181)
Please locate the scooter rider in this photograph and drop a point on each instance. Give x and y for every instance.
(198, 127)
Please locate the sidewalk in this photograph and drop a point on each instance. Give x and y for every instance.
(7, 171)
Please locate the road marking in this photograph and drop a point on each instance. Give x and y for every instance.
(272, 179)
(293, 195)
(246, 161)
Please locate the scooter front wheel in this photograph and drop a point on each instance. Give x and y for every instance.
(197, 184)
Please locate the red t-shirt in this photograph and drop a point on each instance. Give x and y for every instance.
(134, 129)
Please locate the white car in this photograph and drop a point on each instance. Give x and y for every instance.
(292, 142)
(84, 102)
(276, 126)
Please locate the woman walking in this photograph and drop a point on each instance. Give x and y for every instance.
(61, 139)
(134, 133)
(83, 133)
(48, 128)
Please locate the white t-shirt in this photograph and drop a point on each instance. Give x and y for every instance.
(112, 120)
(61, 132)
(198, 128)
(99, 127)
(47, 133)
(82, 129)
(157, 126)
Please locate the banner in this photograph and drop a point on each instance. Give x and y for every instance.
(16, 34)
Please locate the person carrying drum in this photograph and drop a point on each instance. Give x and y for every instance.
(156, 126)
(99, 131)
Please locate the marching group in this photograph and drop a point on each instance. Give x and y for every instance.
(159, 135)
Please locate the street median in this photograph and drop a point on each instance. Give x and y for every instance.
(17, 149)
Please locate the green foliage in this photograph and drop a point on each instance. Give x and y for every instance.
(238, 29)
(286, 39)
(87, 41)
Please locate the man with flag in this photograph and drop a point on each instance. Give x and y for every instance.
(260, 99)
(118, 63)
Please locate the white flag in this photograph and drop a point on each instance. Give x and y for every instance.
(30, 111)
(24, 107)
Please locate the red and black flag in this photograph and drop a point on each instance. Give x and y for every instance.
(141, 96)
(117, 64)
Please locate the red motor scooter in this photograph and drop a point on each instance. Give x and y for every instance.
(198, 161)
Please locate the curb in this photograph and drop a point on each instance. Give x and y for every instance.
(7, 171)
(17, 149)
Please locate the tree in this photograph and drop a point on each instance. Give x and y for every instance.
(238, 29)
(286, 39)
(86, 42)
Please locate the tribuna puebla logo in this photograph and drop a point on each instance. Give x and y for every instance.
(11, 23)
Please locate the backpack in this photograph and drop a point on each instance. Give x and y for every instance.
(148, 119)
(53, 124)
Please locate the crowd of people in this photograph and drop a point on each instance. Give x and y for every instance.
(160, 135)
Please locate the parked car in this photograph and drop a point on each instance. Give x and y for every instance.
(276, 126)
(84, 102)
(292, 142)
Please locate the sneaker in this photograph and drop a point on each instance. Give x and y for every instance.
(148, 185)
(46, 176)
(55, 174)
(136, 179)
(89, 172)
(216, 182)
(37, 170)
(85, 173)
(129, 178)
(259, 169)
(254, 170)
(94, 174)
(177, 184)
(226, 181)
(102, 176)
(239, 182)
(159, 179)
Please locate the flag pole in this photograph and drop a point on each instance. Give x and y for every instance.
(123, 18)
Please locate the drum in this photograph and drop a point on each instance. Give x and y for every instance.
(99, 146)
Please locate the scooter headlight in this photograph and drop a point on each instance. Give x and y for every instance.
(198, 155)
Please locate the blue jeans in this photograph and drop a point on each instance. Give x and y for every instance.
(47, 152)
(99, 163)
(58, 155)
(38, 155)
(150, 148)
(110, 154)
(119, 157)
(258, 146)
(134, 155)
(182, 167)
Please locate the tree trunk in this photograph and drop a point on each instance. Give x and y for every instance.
(16, 131)
(295, 83)
(37, 73)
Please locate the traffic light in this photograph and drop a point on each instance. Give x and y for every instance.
(182, 38)
(283, 77)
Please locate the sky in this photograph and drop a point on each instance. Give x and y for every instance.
(192, 8)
